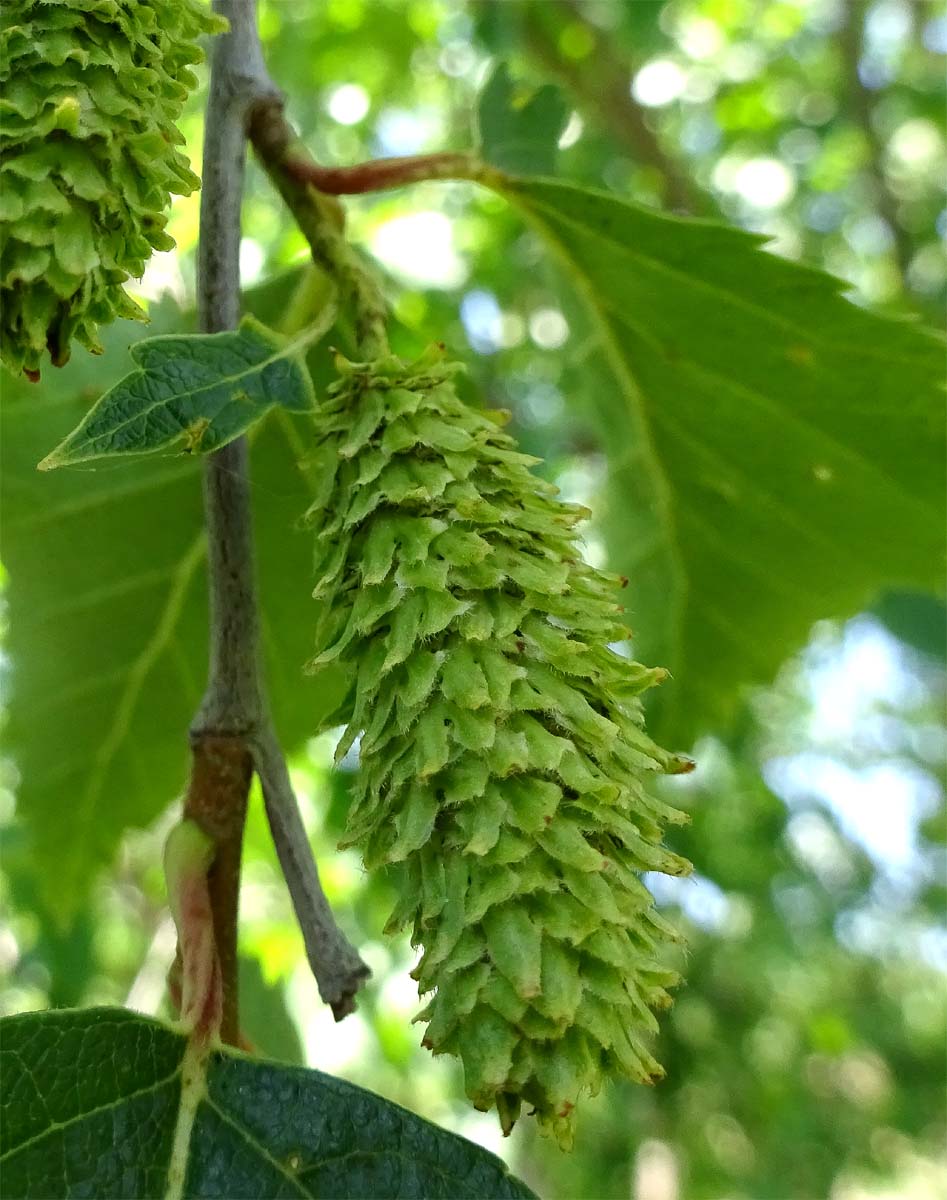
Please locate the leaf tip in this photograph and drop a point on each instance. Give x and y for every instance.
(54, 459)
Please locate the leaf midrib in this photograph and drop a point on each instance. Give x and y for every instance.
(701, 282)
(631, 390)
(784, 415)
(137, 676)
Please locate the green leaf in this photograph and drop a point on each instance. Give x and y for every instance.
(97, 1103)
(916, 618)
(108, 619)
(200, 389)
(520, 137)
(776, 453)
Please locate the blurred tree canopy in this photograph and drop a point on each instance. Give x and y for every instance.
(805, 1053)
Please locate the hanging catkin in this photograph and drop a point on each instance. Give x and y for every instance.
(90, 91)
(503, 758)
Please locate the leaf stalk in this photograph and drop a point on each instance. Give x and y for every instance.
(320, 219)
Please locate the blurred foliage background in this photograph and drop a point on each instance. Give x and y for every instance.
(805, 1055)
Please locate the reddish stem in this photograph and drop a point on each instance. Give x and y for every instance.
(201, 1000)
(217, 801)
(382, 173)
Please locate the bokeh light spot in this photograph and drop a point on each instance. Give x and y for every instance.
(420, 247)
(348, 104)
(658, 83)
(765, 182)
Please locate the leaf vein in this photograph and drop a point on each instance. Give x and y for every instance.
(691, 281)
(151, 652)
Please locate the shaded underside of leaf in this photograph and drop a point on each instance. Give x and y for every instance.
(108, 622)
(91, 1103)
(777, 454)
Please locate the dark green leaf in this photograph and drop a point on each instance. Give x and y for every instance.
(520, 137)
(776, 453)
(200, 390)
(919, 620)
(90, 1108)
(108, 621)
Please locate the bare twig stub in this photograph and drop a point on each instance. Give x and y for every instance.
(338, 969)
(233, 715)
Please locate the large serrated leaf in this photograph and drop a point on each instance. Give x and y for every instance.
(93, 1104)
(200, 390)
(108, 620)
(776, 454)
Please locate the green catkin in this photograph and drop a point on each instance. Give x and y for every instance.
(90, 91)
(503, 755)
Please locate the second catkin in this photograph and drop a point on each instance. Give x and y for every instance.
(90, 93)
(503, 759)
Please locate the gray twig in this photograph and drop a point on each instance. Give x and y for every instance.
(233, 702)
(335, 963)
(234, 706)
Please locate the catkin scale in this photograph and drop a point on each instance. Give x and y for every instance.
(503, 758)
(90, 91)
